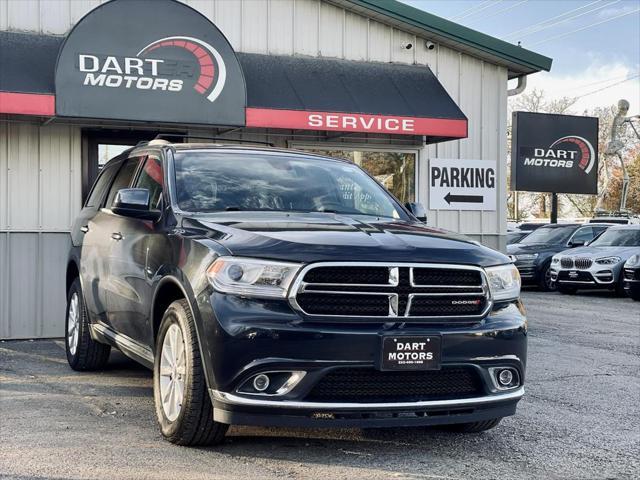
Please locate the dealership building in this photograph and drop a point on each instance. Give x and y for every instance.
(418, 101)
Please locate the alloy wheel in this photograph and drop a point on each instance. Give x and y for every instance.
(173, 367)
(73, 323)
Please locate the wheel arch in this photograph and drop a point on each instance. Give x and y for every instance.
(169, 289)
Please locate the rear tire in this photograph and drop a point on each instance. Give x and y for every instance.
(567, 290)
(635, 295)
(183, 406)
(83, 353)
(473, 427)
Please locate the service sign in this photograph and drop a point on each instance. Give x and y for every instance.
(554, 153)
(158, 61)
(462, 184)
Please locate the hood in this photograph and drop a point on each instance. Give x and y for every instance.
(312, 237)
(598, 252)
(520, 248)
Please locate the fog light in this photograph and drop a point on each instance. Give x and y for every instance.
(261, 382)
(505, 377)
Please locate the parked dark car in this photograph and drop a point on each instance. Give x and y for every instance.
(532, 255)
(515, 237)
(273, 287)
(598, 265)
(632, 277)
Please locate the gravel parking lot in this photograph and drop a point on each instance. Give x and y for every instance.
(580, 418)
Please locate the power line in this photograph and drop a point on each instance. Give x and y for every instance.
(584, 28)
(462, 13)
(600, 7)
(626, 76)
(499, 12)
(480, 10)
(608, 86)
(550, 19)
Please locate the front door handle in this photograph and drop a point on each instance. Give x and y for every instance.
(84, 228)
(117, 236)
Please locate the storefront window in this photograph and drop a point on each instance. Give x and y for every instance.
(395, 171)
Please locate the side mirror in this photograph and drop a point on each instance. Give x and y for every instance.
(417, 210)
(134, 203)
(576, 243)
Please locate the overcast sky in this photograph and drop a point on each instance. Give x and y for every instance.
(599, 63)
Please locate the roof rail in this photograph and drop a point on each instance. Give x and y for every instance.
(164, 136)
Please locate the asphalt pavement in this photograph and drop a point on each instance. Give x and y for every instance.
(580, 418)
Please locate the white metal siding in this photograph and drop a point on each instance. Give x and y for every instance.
(40, 165)
(39, 197)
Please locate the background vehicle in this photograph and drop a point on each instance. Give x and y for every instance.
(620, 218)
(533, 253)
(632, 277)
(598, 265)
(273, 287)
(516, 236)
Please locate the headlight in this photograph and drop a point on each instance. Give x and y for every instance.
(504, 282)
(633, 261)
(527, 256)
(608, 260)
(252, 277)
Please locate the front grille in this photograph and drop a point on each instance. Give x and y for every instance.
(410, 292)
(583, 263)
(566, 262)
(369, 385)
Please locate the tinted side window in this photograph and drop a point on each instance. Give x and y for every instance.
(152, 179)
(123, 179)
(101, 185)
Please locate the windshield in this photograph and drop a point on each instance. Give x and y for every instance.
(229, 181)
(549, 236)
(618, 238)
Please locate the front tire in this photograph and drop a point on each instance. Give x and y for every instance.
(183, 406)
(83, 353)
(544, 282)
(473, 427)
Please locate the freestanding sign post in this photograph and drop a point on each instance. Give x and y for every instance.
(554, 153)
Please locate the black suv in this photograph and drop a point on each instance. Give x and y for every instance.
(273, 287)
(533, 254)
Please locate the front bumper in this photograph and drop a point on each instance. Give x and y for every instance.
(238, 410)
(597, 276)
(632, 280)
(243, 337)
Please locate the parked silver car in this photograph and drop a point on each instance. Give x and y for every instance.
(599, 264)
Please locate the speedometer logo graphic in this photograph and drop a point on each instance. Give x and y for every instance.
(213, 73)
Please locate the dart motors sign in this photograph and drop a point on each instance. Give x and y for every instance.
(157, 61)
(554, 153)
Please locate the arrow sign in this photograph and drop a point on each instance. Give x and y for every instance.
(463, 198)
(462, 184)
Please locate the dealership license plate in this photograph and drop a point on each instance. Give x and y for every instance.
(410, 353)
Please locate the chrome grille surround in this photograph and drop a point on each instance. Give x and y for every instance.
(583, 263)
(443, 291)
(566, 262)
